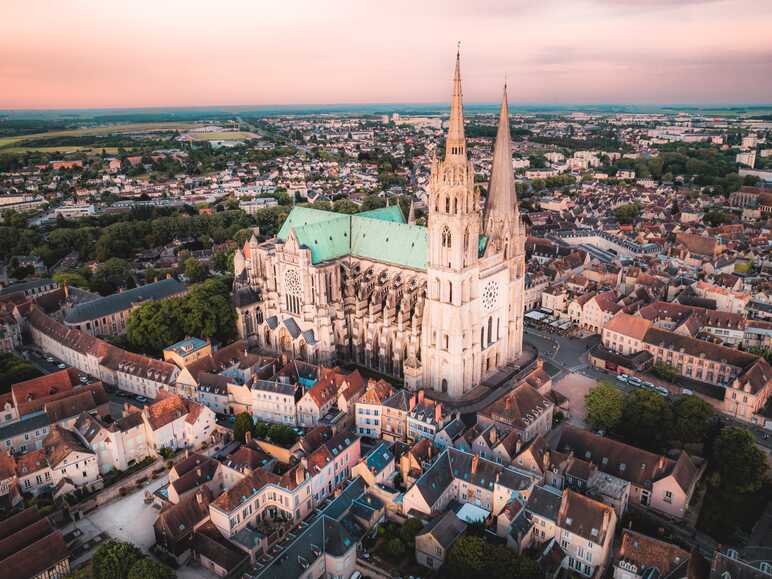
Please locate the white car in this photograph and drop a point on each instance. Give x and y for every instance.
(61, 365)
(662, 391)
(635, 381)
(623, 378)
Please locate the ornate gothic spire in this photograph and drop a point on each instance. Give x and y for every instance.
(501, 203)
(455, 146)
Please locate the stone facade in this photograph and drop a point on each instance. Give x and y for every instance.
(440, 306)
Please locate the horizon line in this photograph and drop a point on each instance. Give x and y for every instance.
(393, 103)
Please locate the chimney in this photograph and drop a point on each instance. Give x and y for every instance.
(247, 437)
(198, 472)
(437, 412)
(420, 396)
(187, 453)
(168, 276)
(494, 435)
(300, 474)
(199, 497)
(66, 287)
(412, 403)
(475, 460)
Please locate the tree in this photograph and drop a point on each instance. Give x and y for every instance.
(740, 465)
(114, 560)
(665, 371)
(605, 403)
(15, 369)
(409, 530)
(372, 202)
(149, 569)
(72, 278)
(466, 558)
(195, 271)
(345, 205)
(242, 425)
(646, 420)
(628, 213)
(395, 549)
(691, 419)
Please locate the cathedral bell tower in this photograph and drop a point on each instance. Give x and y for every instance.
(450, 322)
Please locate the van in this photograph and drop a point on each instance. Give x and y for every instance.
(356, 575)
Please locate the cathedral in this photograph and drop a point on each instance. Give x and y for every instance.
(440, 306)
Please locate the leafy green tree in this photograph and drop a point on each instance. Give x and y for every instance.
(150, 569)
(503, 563)
(242, 425)
(114, 560)
(646, 420)
(628, 213)
(665, 371)
(345, 206)
(409, 530)
(15, 369)
(195, 271)
(372, 202)
(466, 558)
(395, 549)
(740, 465)
(691, 419)
(72, 278)
(605, 403)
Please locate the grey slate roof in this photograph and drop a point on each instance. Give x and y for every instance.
(545, 502)
(114, 303)
(27, 425)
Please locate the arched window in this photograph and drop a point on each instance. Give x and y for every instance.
(446, 239)
(455, 205)
(450, 291)
(482, 338)
(490, 331)
(447, 205)
(259, 315)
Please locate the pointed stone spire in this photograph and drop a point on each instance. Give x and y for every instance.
(411, 213)
(501, 203)
(455, 146)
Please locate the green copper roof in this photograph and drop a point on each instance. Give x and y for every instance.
(482, 243)
(393, 213)
(380, 235)
(389, 242)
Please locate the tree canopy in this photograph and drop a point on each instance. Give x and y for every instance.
(740, 465)
(605, 403)
(206, 312)
(114, 560)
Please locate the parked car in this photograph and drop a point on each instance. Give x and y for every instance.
(635, 381)
(83, 379)
(141, 399)
(61, 365)
(662, 391)
(623, 378)
(687, 391)
(648, 385)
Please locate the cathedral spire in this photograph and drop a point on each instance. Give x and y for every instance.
(455, 147)
(502, 199)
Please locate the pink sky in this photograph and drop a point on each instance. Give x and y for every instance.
(111, 53)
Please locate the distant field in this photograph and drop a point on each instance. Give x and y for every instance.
(93, 131)
(62, 149)
(223, 136)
